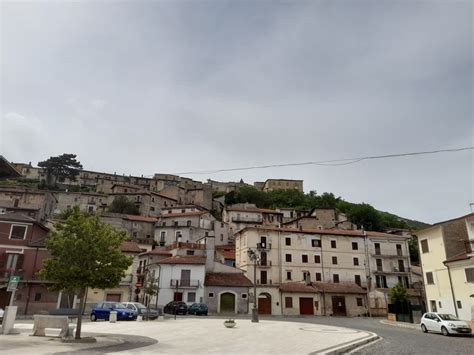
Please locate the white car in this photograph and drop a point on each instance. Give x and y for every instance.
(2, 312)
(446, 324)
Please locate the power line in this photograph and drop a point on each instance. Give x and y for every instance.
(333, 162)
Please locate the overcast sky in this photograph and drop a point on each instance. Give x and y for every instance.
(173, 86)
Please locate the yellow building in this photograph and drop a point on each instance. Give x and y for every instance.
(282, 184)
(447, 261)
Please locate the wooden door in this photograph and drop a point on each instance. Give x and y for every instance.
(227, 303)
(113, 297)
(306, 306)
(178, 296)
(265, 304)
(339, 305)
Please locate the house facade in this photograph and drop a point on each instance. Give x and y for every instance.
(22, 251)
(34, 203)
(282, 184)
(447, 261)
(324, 257)
(244, 215)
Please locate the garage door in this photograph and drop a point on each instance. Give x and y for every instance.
(306, 306)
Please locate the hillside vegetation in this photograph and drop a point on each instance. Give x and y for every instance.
(361, 214)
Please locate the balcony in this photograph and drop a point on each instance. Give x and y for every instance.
(264, 246)
(395, 256)
(184, 283)
(393, 270)
(266, 264)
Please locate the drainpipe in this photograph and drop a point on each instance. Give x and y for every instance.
(452, 291)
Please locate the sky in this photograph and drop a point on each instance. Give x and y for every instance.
(144, 87)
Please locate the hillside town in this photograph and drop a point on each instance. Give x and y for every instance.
(195, 248)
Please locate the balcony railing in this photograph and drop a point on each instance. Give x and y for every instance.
(264, 246)
(265, 264)
(184, 283)
(393, 270)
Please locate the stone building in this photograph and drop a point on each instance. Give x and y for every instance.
(34, 203)
(227, 292)
(373, 261)
(282, 184)
(149, 204)
(140, 229)
(88, 202)
(243, 215)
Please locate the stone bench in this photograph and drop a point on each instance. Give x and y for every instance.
(42, 322)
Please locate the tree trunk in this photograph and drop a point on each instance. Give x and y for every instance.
(81, 312)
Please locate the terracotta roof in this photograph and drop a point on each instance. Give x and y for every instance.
(297, 287)
(227, 251)
(158, 251)
(318, 287)
(227, 279)
(130, 247)
(355, 233)
(343, 287)
(252, 209)
(184, 259)
(137, 218)
(181, 245)
(459, 257)
(185, 214)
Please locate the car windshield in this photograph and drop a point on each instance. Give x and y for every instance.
(140, 306)
(119, 305)
(447, 317)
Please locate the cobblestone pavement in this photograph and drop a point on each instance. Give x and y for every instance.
(396, 340)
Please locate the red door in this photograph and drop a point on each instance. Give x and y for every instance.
(265, 304)
(306, 306)
(178, 296)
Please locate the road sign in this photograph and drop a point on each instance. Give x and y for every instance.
(138, 285)
(13, 283)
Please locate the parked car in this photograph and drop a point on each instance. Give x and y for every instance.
(198, 309)
(446, 324)
(102, 311)
(142, 310)
(176, 307)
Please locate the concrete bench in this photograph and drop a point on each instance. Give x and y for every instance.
(57, 322)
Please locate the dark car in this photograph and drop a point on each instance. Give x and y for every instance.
(142, 310)
(102, 311)
(198, 309)
(176, 307)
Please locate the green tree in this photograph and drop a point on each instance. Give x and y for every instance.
(364, 215)
(398, 293)
(85, 253)
(59, 168)
(121, 204)
(414, 251)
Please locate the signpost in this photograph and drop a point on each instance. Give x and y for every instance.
(12, 286)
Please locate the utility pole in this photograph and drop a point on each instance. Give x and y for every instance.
(255, 258)
(368, 274)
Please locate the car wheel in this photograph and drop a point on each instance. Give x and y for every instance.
(93, 317)
(423, 329)
(444, 331)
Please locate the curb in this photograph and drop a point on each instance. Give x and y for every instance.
(345, 348)
(400, 324)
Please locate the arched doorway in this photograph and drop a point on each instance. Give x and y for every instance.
(227, 302)
(264, 303)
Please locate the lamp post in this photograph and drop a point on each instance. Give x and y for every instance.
(255, 258)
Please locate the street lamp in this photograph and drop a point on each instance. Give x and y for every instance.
(255, 258)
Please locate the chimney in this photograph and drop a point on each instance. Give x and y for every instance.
(210, 250)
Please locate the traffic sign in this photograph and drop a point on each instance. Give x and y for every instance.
(13, 283)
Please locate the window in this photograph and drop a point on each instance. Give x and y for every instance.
(189, 252)
(424, 246)
(317, 259)
(381, 281)
(357, 279)
(263, 277)
(469, 274)
(163, 224)
(318, 276)
(316, 243)
(17, 232)
(334, 260)
(335, 278)
(175, 223)
(439, 304)
(188, 223)
(37, 296)
(287, 241)
(433, 306)
(379, 264)
(459, 304)
(304, 258)
(222, 237)
(306, 276)
(377, 248)
(429, 278)
(288, 275)
(288, 302)
(244, 296)
(399, 249)
(152, 208)
(359, 302)
(162, 236)
(333, 244)
(191, 296)
(356, 261)
(182, 211)
(134, 234)
(288, 258)
(355, 246)
(210, 295)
